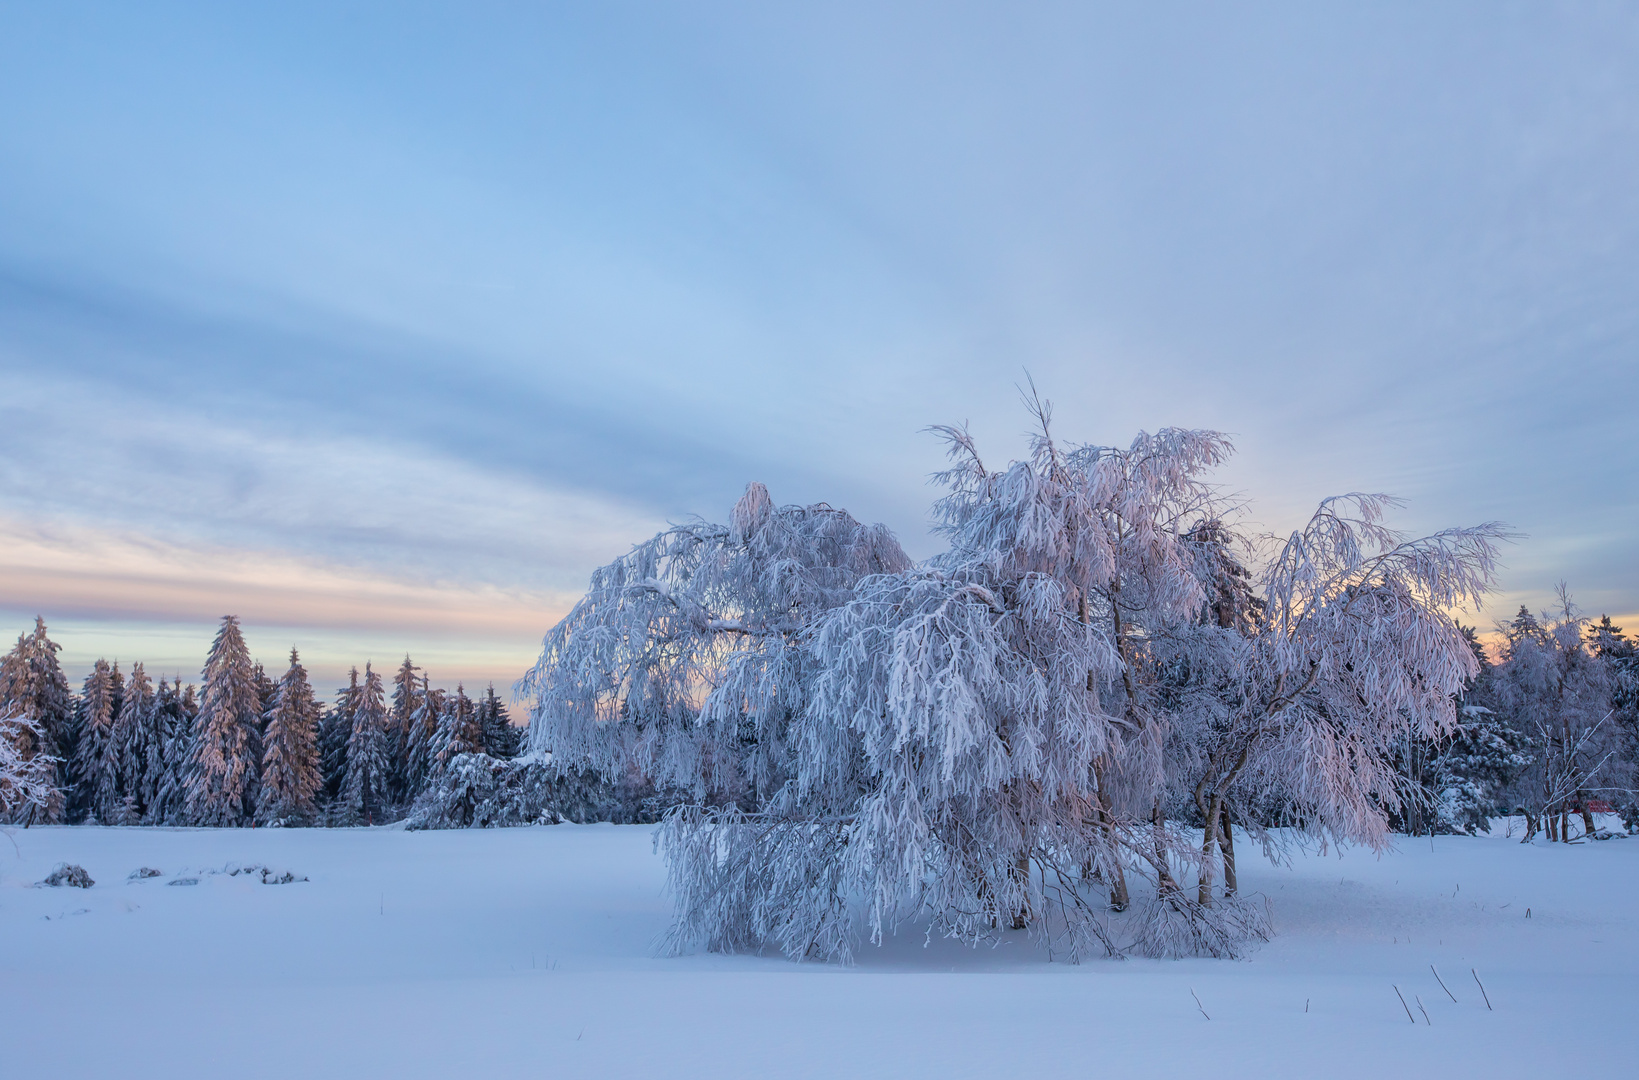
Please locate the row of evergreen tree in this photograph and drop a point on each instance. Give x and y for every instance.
(1550, 732)
(243, 748)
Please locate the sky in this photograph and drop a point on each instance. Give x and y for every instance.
(381, 325)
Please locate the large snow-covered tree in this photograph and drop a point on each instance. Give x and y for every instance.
(1006, 734)
(224, 756)
(1352, 651)
(290, 751)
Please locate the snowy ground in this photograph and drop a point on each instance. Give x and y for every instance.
(527, 952)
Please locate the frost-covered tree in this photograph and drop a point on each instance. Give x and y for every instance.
(34, 689)
(421, 749)
(225, 755)
(335, 729)
(137, 749)
(290, 751)
(96, 780)
(1620, 654)
(28, 777)
(178, 710)
(995, 738)
(501, 739)
(1553, 689)
(680, 662)
(365, 794)
(1352, 652)
(400, 728)
(459, 731)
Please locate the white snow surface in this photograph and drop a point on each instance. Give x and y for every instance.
(530, 952)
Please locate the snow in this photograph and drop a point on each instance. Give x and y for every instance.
(528, 952)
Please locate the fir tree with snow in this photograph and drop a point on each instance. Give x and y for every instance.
(400, 724)
(459, 731)
(95, 794)
(291, 776)
(366, 792)
(225, 757)
(335, 729)
(138, 748)
(177, 713)
(501, 738)
(422, 738)
(266, 689)
(34, 689)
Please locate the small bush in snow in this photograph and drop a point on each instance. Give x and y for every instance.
(70, 875)
(142, 872)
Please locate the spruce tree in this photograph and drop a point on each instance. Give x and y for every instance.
(221, 785)
(368, 767)
(32, 685)
(266, 689)
(501, 739)
(1621, 654)
(335, 728)
(176, 713)
(96, 790)
(406, 701)
(423, 737)
(137, 748)
(291, 777)
(459, 731)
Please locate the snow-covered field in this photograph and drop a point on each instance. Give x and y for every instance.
(528, 952)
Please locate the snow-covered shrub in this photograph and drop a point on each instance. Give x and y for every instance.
(69, 875)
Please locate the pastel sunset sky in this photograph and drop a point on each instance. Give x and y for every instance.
(381, 325)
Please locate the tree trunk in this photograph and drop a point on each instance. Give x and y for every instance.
(1209, 845)
(1021, 874)
(1587, 817)
(1551, 826)
(1119, 897)
(1231, 883)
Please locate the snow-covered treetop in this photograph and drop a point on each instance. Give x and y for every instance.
(663, 631)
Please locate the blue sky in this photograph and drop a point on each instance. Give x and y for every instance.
(381, 325)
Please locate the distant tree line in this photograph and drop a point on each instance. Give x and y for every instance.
(1549, 732)
(240, 749)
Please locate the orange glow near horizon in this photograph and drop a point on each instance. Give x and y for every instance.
(134, 597)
